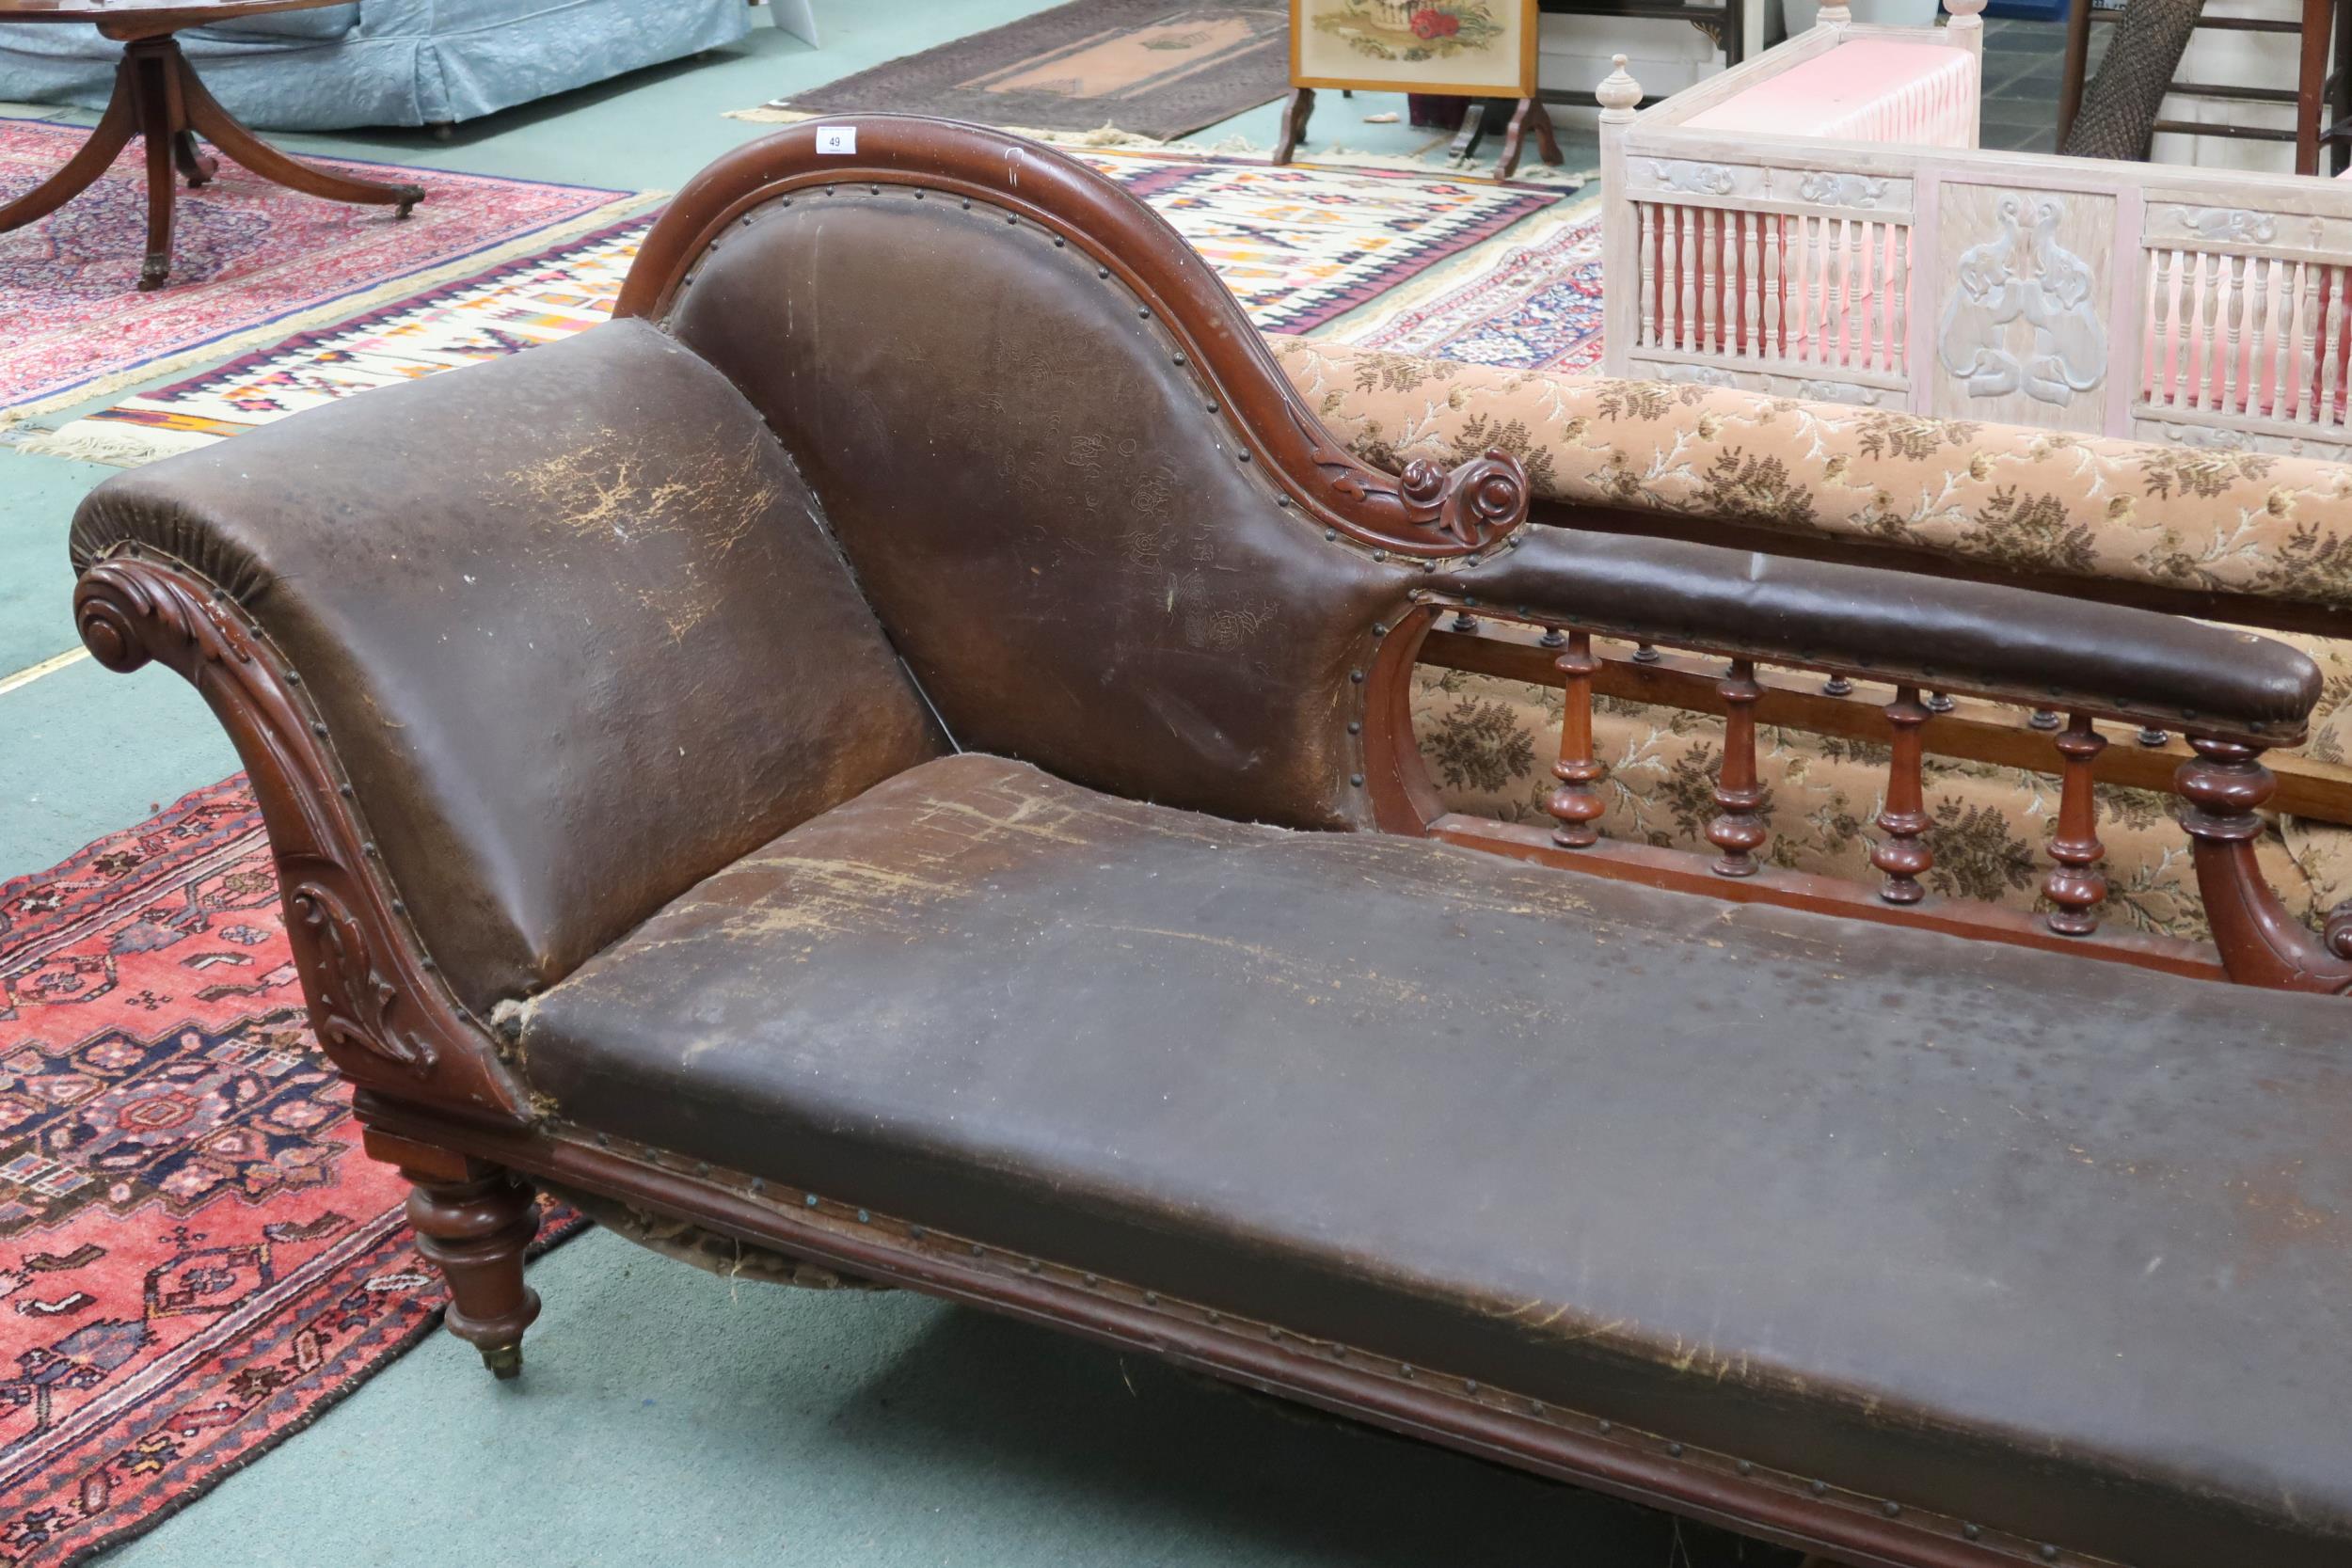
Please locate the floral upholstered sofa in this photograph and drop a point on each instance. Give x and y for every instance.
(2239, 537)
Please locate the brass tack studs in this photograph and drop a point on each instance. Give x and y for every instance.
(368, 849)
(1746, 1466)
(343, 790)
(977, 1249)
(759, 1184)
(1151, 1298)
(1405, 1369)
(702, 1167)
(1356, 676)
(294, 678)
(1971, 1530)
(2049, 1553)
(865, 1218)
(1355, 726)
(1674, 1451)
(1355, 779)
(1890, 1508)
(399, 908)
(1470, 1385)
(318, 729)
(810, 1200)
(1092, 1281)
(1820, 1488)
(916, 1232)
(1608, 1426)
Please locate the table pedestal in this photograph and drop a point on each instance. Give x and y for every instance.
(157, 96)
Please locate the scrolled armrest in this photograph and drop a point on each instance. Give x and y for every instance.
(533, 645)
(2012, 645)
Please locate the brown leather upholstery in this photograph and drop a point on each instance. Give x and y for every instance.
(1054, 525)
(2051, 651)
(571, 623)
(2060, 1246)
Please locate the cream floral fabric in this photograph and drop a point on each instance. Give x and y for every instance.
(2027, 500)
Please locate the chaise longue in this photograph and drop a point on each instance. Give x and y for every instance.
(895, 754)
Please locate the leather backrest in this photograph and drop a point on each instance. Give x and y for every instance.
(571, 625)
(1057, 523)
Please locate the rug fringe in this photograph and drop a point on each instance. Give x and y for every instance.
(334, 311)
(119, 446)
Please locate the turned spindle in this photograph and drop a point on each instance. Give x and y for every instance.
(2076, 885)
(1739, 833)
(1576, 803)
(1903, 854)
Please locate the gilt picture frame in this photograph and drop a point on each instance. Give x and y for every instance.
(1451, 48)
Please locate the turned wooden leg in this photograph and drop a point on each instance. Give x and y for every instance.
(159, 107)
(233, 140)
(474, 1220)
(1295, 114)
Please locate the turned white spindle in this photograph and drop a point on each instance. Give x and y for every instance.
(1751, 298)
(1650, 274)
(2160, 370)
(1898, 285)
(2233, 315)
(1690, 278)
(2324, 409)
(2262, 395)
(1856, 284)
(1775, 341)
(2209, 313)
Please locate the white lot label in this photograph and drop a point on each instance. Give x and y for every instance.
(837, 138)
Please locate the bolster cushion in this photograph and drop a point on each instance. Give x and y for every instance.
(572, 623)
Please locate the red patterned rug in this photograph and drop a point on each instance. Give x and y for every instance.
(196, 1259)
(247, 255)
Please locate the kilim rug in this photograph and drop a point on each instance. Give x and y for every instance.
(1156, 68)
(1298, 245)
(196, 1259)
(1522, 304)
(248, 256)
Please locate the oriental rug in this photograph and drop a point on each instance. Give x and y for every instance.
(1301, 247)
(1521, 304)
(196, 1259)
(1154, 68)
(249, 257)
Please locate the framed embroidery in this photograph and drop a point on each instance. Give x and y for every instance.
(1462, 48)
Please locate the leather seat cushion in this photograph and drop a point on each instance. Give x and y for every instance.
(2056, 1244)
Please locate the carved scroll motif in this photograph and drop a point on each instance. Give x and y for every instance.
(1467, 508)
(2227, 223)
(381, 1008)
(2023, 275)
(1698, 375)
(354, 1004)
(1679, 174)
(1825, 189)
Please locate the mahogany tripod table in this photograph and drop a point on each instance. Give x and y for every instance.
(157, 96)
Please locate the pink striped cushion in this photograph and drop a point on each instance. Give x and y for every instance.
(1865, 90)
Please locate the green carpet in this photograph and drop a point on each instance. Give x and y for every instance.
(667, 1418)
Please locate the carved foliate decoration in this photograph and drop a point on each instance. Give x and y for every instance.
(379, 1006)
(2227, 223)
(1839, 392)
(2022, 273)
(355, 1006)
(1441, 511)
(1825, 189)
(2202, 437)
(1678, 174)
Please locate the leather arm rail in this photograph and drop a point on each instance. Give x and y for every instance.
(538, 643)
(2007, 643)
